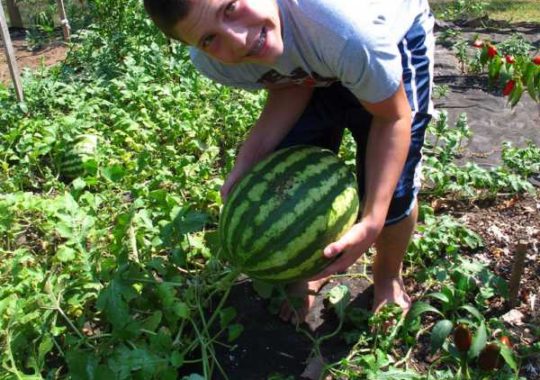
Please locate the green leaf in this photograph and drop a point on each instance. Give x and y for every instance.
(440, 332)
(82, 365)
(234, 331)
(181, 310)
(419, 308)
(177, 359)
(45, 346)
(114, 173)
(152, 322)
(263, 289)
(516, 93)
(508, 356)
(473, 311)
(479, 341)
(494, 67)
(529, 80)
(111, 302)
(65, 254)
(226, 316)
(440, 296)
(339, 297)
(396, 374)
(78, 184)
(125, 361)
(23, 107)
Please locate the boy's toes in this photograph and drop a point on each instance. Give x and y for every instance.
(304, 293)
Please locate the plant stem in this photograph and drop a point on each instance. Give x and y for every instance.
(465, 367)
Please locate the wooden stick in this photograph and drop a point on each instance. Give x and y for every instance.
(517, 272)
(10, 53)
(66, 28)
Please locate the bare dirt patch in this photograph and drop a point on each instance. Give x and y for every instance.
(52, 53)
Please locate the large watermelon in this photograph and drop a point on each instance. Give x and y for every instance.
(280, 216)
(82, 149)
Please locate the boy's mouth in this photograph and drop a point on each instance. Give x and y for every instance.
(258, 44)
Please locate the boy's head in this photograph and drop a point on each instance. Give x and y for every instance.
(231, 31)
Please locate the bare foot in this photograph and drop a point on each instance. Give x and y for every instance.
(391, 291)
(305, 291)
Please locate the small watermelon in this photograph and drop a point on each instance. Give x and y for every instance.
(282, 214)
(81, 150)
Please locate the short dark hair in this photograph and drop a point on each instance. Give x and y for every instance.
(167, 13)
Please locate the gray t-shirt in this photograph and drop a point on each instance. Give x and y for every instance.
(354, 42)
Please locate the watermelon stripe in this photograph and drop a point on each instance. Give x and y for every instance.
(302, 261)
(294, 238)
(260, 187)
(280, 232)
(290, 208)
(84, 148)
(237, 191)
(294, 170)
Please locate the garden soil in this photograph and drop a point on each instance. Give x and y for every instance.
(50, 54)
(269, 346)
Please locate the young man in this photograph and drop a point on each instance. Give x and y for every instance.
(328, 64)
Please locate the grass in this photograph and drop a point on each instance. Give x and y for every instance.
(514, 10)
(509, 10)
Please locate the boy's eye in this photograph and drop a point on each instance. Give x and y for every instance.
(207, 41)
(231, 7)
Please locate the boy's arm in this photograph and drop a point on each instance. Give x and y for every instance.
(284, 106)
(387, 149)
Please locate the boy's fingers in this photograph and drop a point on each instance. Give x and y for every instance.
(341, 264)
(334, 249)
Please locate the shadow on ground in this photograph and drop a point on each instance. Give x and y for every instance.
(269, 346)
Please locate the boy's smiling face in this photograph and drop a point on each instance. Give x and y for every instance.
(234, 31)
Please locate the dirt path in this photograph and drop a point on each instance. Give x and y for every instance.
(49, 55)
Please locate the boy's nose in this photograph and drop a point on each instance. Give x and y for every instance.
(237, 36)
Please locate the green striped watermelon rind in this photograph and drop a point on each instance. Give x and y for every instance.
(84, 149)
(256, 231)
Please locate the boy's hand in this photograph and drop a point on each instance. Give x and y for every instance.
(231, 180)
(352, 245)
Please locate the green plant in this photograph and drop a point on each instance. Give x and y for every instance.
(510, 68)
(463, 9)
(445, 144)
(440, 91)
(462, 54)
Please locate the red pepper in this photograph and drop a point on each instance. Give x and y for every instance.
(506, 341)
(462, 337)
(510, 59)
(478, 44)
(536, 60)
(508, 87)
(492, 51)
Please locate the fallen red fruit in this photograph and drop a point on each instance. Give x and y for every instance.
(510, 59)
(508, 87)
(492, 51)
(536, 60)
